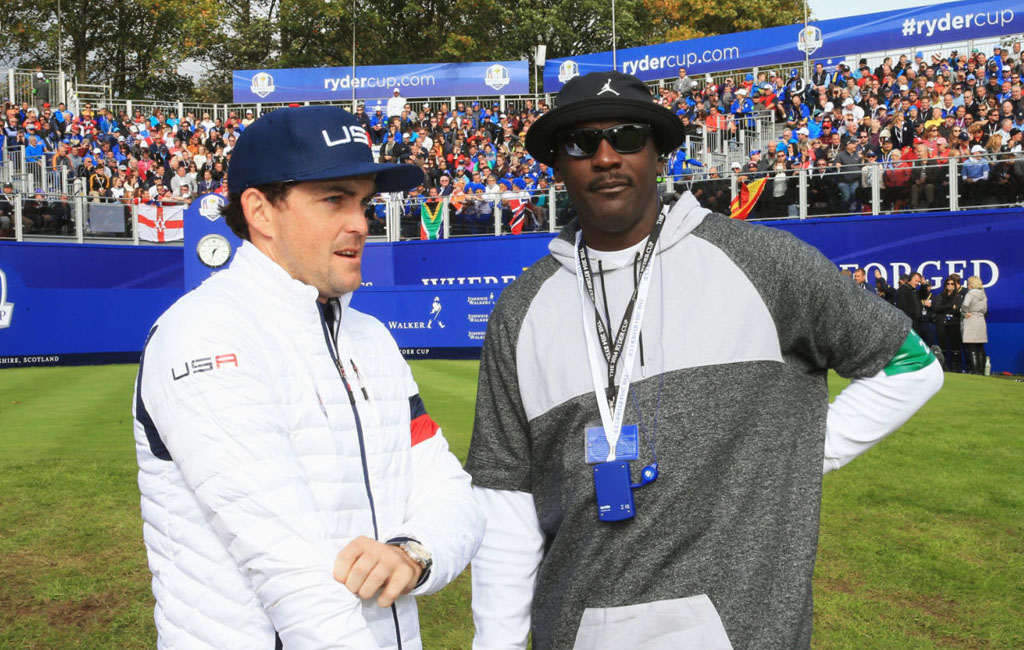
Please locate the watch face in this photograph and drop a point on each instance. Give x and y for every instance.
(214, 251)
(418, 553)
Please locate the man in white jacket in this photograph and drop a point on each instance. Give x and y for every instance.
(295, 492)
(652, 417)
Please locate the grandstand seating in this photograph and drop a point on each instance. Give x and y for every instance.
(751, 148)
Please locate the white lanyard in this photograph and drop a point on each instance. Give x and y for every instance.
(613, 423)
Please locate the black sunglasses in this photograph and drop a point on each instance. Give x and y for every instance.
(624, 138)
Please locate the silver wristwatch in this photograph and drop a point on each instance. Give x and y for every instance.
(418, 553)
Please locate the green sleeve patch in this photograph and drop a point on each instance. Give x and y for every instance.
(912, 356)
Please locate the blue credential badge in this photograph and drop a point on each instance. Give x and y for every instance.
(613, 491)
(627, 448)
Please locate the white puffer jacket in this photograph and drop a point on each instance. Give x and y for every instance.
(256, 468)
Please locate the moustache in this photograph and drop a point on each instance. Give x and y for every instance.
(609, 179)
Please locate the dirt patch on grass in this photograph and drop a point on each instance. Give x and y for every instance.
(946, 612)
(834, 585)
(95, 610)
(67, 591)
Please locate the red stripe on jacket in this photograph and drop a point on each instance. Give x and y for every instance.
(423, 428)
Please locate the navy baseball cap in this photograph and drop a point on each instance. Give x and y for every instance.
(311, 143)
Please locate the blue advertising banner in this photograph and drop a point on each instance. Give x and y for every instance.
(432, 322)
(73, 304)
(463, 262)
(899, 30)
(986, 244)
(377, 81)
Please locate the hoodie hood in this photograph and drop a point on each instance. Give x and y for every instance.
(683, 216)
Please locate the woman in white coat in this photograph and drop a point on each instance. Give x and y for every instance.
(974, 309)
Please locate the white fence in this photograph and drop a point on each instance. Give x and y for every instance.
(871, 189)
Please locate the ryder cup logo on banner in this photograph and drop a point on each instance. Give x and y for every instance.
(568, 70)
(810, 40)
(6, 308)
(497, 77)
(262, 84)
(209, 207)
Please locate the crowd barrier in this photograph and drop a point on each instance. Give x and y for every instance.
(435, 296)
(879, 188)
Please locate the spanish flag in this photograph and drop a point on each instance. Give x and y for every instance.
(746, 199)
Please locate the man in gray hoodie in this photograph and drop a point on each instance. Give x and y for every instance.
(652, 417)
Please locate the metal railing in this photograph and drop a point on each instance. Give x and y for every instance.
(64, 217)
(28, 174)
(875, 188)
(993, 180)
(21, 82)
(733, 143)
(489, 212)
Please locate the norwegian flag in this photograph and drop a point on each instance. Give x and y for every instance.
(160, 224)
(518, 207)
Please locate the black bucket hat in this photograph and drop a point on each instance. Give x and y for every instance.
(599, 96)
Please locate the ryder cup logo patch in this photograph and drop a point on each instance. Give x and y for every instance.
(6, 308)
(809, 40)
(262, 84)
(568, 70)
(209, 207)
(497, 76)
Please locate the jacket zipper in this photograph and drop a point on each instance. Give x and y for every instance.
(332, 348)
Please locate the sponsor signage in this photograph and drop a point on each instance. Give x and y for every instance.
(492, 262)
(469, 276)
(432, 322)
(78, 304)
(436, 297)
(900, 30)
(379, 81)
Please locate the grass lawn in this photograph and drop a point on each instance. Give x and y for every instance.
(922, 539)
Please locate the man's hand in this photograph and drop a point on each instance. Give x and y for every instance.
(364, 566)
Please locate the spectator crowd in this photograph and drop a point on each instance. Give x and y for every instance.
(907, 118)
(898, 125)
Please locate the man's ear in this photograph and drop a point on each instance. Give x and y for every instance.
(259, 213)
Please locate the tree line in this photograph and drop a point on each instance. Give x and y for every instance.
(140, 46)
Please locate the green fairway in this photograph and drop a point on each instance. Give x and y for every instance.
(922, 539)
